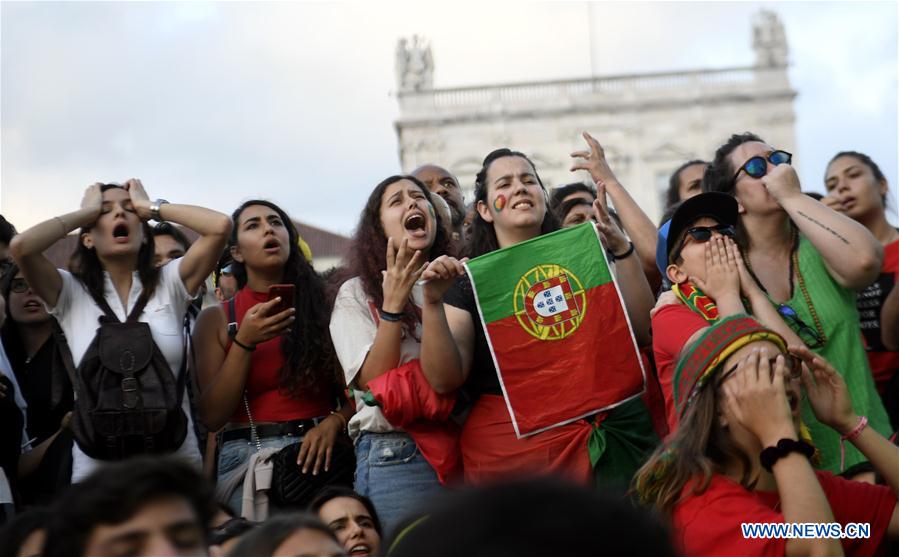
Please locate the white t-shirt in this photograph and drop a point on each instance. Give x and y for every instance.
(353, 330)
(78, 316)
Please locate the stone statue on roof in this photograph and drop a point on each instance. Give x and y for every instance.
(769, 40)
(414, 64)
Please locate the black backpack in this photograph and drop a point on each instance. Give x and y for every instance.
(127, 400)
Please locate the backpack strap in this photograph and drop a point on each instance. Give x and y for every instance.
(65, 354)
(232, 318)
(135, 311)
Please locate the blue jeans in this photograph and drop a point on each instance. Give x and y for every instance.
(236, 452)
(394, 475)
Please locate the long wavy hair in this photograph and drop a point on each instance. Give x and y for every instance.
(482, 234)
(86, 266)
(700, 447)
(310, 361)
(368, 255)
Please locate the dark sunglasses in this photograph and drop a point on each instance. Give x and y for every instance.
(757, 166)
(18, 285)
(809, 335)
(702, 234)
(794, 368)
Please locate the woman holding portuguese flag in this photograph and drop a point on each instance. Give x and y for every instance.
(511, 208)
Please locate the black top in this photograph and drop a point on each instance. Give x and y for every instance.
(482, 379)
(35, 378)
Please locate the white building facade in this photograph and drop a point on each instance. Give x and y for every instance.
(648, 124)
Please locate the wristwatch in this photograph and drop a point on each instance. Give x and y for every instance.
(154, 209)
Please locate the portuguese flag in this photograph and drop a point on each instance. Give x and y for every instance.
(558, 332)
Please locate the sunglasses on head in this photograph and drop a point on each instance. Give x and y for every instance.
(757, 166)
(702, 234)
(18, 285)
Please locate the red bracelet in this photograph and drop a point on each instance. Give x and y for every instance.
(862, 423)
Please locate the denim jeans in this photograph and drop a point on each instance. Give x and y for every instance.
(394, 475)
(238, 451)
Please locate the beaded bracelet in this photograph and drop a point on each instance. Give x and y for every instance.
(856, 431)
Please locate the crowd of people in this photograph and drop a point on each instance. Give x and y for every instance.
(162, 396)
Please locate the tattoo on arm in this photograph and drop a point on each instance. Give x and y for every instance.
(825, 227)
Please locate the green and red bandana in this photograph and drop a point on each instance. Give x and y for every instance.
(716, 344)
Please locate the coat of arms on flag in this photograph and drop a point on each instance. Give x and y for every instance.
(557, 329)
(552, 302)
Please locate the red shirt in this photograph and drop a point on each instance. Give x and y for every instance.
(710, 523)
(884, 363)
(267, 402)
(672, 326)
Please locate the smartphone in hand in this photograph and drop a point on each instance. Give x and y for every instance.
(285, 292)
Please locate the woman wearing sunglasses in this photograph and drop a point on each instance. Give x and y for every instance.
(857, 188)
(809, 260)
(741, 455)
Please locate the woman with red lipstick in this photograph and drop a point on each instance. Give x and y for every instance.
(740, 457)
(376, 327)
(274, 382)
(857, 188)
(511, 206)
(114, 262)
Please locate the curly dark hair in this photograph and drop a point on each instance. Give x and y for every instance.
(368, 256)
(87, 268)
(309, 356)
(719, 174)
(482, 236)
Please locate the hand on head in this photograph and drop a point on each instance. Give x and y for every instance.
(756, 398)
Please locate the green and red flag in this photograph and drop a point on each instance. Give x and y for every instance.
(560, 338)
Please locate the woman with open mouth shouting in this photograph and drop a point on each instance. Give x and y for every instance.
(113, 264)
(511, 208)
(376, 328)
(271, 380)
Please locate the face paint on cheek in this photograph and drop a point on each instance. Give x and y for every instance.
(431, 211)
(499, 203)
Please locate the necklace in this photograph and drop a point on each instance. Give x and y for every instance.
(808, 299)
(794, 267)
(793, 248)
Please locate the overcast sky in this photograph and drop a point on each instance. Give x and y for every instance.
(216, 103)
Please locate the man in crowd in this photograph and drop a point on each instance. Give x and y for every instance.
(142, 507)
(441, 182)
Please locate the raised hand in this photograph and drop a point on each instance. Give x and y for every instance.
(826, 390)
(748, 286)
(258, 326)
(139, 198)
(403, 269)
(594, 161)
(782, 182)
(757, 398)
(92, 201)
(440, 275)
(612, 236)
(722, 277)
